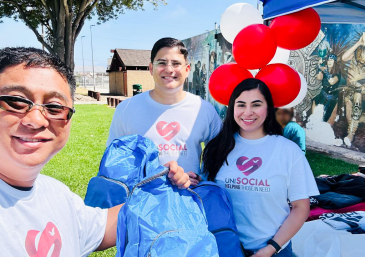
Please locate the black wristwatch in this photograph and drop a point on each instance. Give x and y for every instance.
(275, 245)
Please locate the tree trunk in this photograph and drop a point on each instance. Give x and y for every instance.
(64, 42)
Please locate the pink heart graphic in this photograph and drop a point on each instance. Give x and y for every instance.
(50, 237)
(168, 131)
(248, 166)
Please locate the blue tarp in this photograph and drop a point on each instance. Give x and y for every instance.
(331, 11)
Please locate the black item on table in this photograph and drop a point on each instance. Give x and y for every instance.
(345, 184)
(332, 200)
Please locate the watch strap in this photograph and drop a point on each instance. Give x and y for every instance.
(275, 245)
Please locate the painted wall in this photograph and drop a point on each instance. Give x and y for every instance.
(333, 110)
(139, 77)
(116, 81)
(206, 53)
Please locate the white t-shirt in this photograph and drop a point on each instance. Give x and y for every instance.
(261, 176)
(177, 130)
(48, 220)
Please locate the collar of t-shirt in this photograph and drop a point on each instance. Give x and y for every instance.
(22, 188)
(251, 141)
(150, 100)
(16, 192)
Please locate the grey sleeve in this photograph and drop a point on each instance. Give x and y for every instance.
(116, 127)
(215, 127)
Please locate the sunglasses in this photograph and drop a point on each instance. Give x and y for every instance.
(16, 104)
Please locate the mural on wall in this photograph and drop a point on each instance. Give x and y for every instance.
(334, 67)
(206, 53)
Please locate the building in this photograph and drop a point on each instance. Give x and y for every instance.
(129, 67)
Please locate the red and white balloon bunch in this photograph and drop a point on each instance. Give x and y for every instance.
(264, 48)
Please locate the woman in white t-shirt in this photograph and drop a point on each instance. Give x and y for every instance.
(261, 171)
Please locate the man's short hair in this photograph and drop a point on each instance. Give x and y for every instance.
(36, 58)
(169, 42)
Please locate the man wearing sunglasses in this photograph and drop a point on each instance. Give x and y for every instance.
(40, 216)
(175, 120)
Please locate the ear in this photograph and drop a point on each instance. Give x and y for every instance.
(151, 68)
(188, 68)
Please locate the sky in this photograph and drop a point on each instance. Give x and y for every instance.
(133, 30)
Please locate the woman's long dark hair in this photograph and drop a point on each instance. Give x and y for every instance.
(217, 150)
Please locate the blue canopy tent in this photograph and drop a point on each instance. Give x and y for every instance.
(331, 11)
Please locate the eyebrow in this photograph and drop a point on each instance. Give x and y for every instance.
(164, 60)
(256, 101)
(8, 88)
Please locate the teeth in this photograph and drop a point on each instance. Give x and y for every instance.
(30, 139)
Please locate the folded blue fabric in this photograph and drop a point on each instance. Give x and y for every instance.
(332, 200)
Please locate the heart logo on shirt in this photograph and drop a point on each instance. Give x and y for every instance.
(48, 243)
(168, 131)
(248, 166)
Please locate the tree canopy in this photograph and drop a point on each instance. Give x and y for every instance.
(63, 19)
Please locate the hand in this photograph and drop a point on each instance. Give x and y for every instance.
(195, 179)
(323, 68)
(267, 251)
(177, 175)
(361, 40)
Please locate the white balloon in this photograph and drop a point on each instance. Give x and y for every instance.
(281, 56)
(238, 17)
(301, 95)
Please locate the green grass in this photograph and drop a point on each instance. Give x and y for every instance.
(322, 164)
(79, 161)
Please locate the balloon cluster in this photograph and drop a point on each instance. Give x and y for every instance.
(265, 49)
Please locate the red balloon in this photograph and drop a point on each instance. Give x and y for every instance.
(224, 80)
(296, 30)
(254, 46)
(283, 82)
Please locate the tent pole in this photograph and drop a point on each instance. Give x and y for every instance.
(362, 7)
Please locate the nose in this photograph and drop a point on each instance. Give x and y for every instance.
(169, 68)
(35, 119)
(248, 111)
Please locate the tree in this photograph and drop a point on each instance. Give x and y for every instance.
(64, 19)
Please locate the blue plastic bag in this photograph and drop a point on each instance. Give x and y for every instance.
(123, 157)
(219, 212)
(161, 220)
(158, 219)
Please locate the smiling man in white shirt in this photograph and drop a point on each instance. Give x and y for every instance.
(175, 120)
(40, 216)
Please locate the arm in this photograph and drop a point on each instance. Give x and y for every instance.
(177, 176)
(215, 127)
(349, 54)
(110, 236)
(320, 75)
(290, 227)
